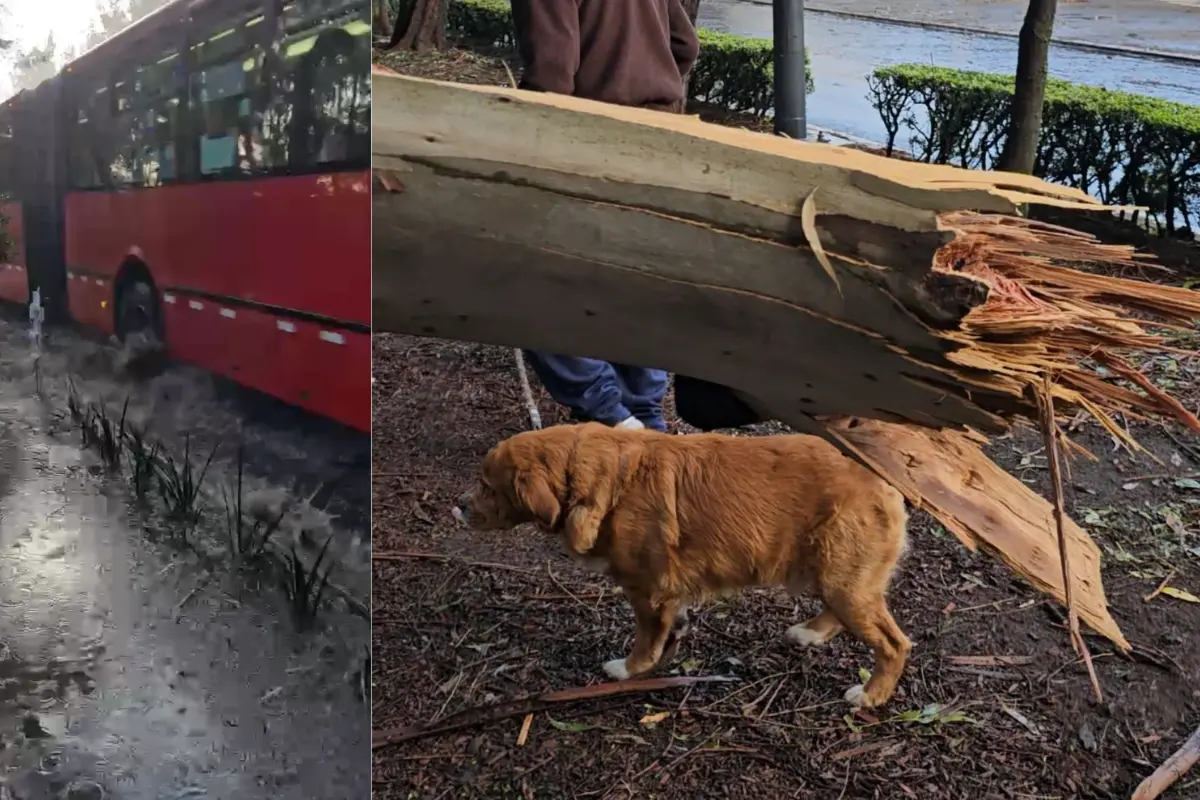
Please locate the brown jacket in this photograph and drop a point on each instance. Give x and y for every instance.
(627, 52)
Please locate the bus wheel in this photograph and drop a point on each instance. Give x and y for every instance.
(138, 316)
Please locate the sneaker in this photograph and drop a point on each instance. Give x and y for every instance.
(630, 424)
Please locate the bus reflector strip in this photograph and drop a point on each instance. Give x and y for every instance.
(332, 338)
(169, 298)
(195, 305)
(228, 313)
(285, 326)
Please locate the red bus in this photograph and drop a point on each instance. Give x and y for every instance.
(203, 179)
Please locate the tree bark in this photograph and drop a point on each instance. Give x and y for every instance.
(1033, 50)
(380, 23)
(420, 26)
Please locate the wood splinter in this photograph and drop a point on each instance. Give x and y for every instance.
(1053, 444)
(1170, 770)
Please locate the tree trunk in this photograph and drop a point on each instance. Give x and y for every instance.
(1033, 50)
(380, 24)
(420, 26)
(692, 7)
(635, 237)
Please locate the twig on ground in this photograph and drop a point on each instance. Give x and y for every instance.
(407, 555)
(1170, 770)
(1162, 585)
(1053, 441)
(559, 584)
(482, 715)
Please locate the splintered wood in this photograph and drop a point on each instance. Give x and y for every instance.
(822, 283)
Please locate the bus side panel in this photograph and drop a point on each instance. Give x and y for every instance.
(301, 243)
(14, 282)
(245, 265)
(89, 300)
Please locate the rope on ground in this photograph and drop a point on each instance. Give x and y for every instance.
(535, 416)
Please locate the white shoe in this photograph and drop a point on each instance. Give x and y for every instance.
(630, 424)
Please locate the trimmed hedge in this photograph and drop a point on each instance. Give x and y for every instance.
(733, 73)
(1123, 148)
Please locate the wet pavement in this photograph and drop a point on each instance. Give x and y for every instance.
(844, 51)
(134, 669)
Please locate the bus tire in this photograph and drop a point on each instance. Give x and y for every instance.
(138, 313)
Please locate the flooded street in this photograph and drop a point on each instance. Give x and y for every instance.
(844, 51)
(133, 667)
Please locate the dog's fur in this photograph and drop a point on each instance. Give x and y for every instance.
(676, 519)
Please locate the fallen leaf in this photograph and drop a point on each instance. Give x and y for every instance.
(1180, 594)
(1022, 719)
(654, 719)
(1187, 483)
(569, 727)
(864, 674)
(627, 737)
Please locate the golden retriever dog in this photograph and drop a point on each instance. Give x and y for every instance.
(678, 519)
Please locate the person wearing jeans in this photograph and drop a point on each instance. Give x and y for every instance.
(630, 53)
(617, 395)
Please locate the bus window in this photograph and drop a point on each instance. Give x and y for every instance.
(89, 148)
(224, 83)
(330, 61)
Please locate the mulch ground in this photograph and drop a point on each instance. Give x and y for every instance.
(994, 703)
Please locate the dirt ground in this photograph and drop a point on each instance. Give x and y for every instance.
(463, 620)
(994, 702)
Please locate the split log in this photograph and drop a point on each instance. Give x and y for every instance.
(543, 221)
(819, 282)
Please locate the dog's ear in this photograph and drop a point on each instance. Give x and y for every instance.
(534, 493)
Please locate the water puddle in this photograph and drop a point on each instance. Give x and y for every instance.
(135, 670)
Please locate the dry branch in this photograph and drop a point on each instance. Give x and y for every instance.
(1170, 770)
(1053, 450)
(484, 715)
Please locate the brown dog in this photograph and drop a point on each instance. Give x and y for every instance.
(677, 519)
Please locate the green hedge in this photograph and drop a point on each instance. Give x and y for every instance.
(733, 73)
(1123, 148)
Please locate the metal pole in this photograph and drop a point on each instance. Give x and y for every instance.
(790, 80)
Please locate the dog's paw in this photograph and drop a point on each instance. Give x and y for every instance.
(856, 696)
(804, 636)
(616, 669)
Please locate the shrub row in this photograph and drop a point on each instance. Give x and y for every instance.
(1123, 148)
(734, 73)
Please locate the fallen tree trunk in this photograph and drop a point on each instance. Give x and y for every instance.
(819, 282)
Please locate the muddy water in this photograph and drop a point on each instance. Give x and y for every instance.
(319, 469)
(130, 670)
(844, 51)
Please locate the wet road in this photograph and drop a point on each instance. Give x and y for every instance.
(127, 671)
(844, 51)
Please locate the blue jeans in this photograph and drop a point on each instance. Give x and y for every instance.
(603, 392)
